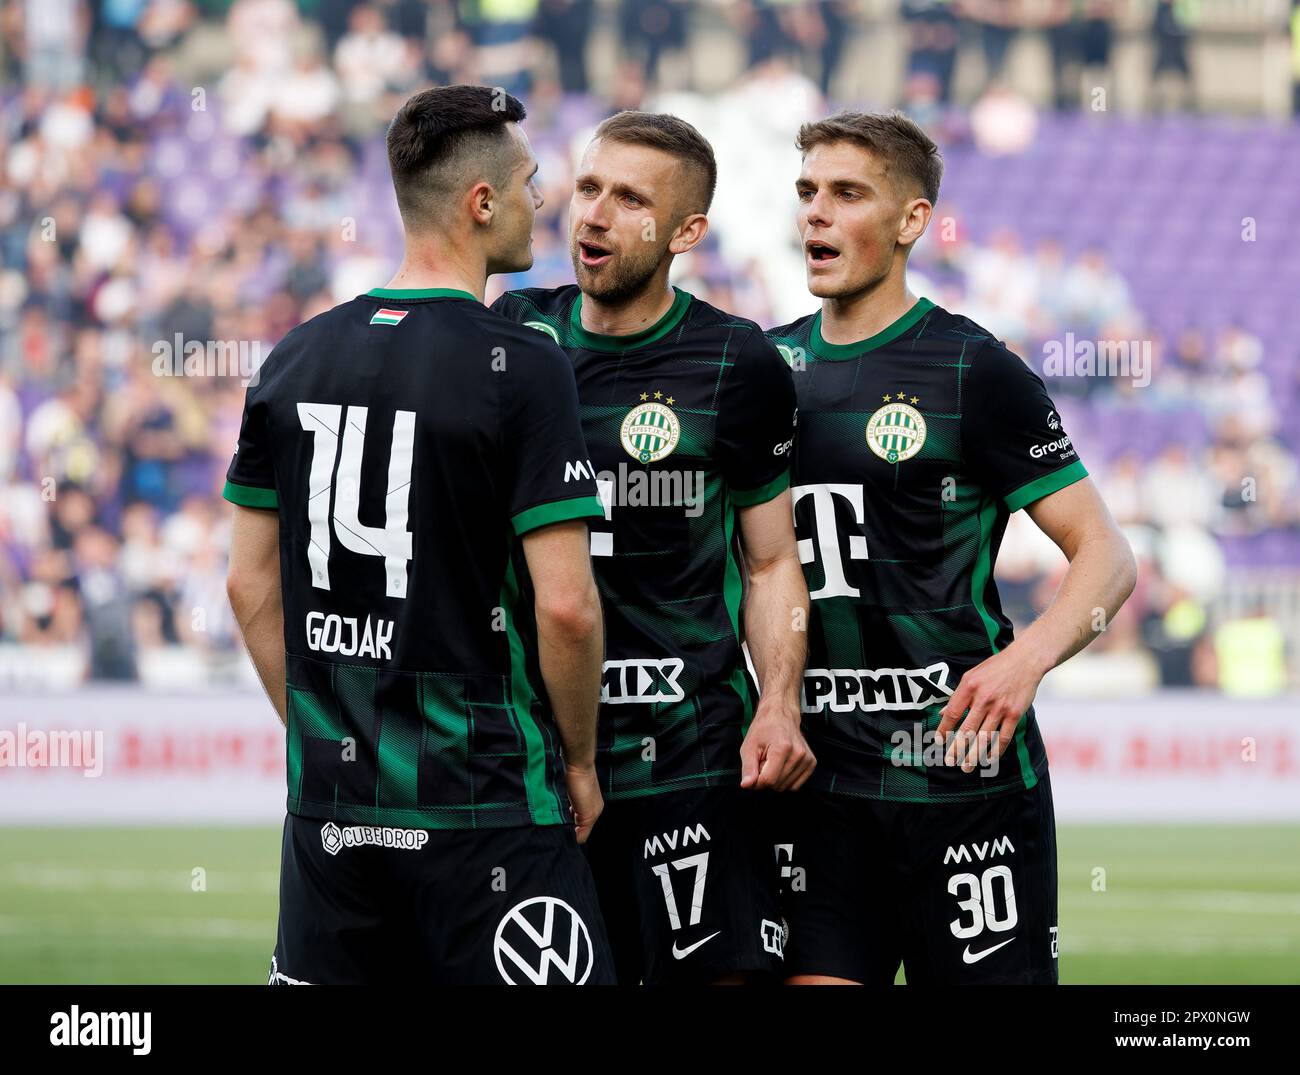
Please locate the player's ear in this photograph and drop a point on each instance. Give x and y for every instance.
(916, 218)
(689, 233)
(481, 200)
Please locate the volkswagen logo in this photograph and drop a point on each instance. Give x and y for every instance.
(540, 934)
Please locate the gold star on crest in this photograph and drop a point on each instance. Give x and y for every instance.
(644, 397)
(887, 397)
(658, 395)
(915, 400)
(901, 395)
(670, 401)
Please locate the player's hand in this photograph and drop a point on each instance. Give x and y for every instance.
(584, 793)
(774, 754)
(992, 697)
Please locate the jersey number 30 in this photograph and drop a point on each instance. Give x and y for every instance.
(393, 540)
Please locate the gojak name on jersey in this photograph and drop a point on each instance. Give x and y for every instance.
(340, 634)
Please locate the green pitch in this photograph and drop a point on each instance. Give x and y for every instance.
(1138, 904)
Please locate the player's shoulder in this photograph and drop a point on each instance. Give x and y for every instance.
(543, 305)
(298, 345)
(743, 338)
(939, 324)
(323, 324)
(338, 321)
(794, 333)
(327, 330)
(755, 367)
(526, 352)
(988, 357)
(703, 316)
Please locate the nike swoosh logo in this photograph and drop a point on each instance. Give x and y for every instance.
(968, 956)
(691, 948)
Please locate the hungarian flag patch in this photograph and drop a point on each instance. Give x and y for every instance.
(385, 316)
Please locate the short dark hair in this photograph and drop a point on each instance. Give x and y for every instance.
(675, 136)
(437, 134)
(907, 151)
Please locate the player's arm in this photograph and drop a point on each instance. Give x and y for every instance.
(553, 494)
(1016, 449)
(1101, 575)
(253, 578)
(1100, 578)
(570, 650)
(774, 754)
(754, 437)
(253, 585)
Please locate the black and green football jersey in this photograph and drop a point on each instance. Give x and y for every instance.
(685, 422)
(407, 439)
(914, 446)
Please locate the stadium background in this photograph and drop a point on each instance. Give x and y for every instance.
(1120, 175)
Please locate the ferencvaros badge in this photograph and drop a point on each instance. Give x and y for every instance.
(650, 431)
(896, 431)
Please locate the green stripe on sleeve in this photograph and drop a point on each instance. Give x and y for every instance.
(1047, 484)
(733, 592)
(980, 576)
(747, 498)
(542, 803)
(558, 511)
(250, 496)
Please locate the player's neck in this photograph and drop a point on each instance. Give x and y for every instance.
(432, 269)
(852, 318)
(625, 319)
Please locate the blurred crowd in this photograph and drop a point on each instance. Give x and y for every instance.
(176, 171)
(360, 51)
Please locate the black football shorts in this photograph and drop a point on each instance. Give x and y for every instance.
(687, 886)
(957, 893)
(366, 904)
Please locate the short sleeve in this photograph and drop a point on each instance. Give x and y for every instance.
(250, 478)
(1012, 436)
(756, 419)
(552, 478)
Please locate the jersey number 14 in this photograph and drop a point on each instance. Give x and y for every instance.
(393, 540)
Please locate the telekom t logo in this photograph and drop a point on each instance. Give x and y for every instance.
(834, 583)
